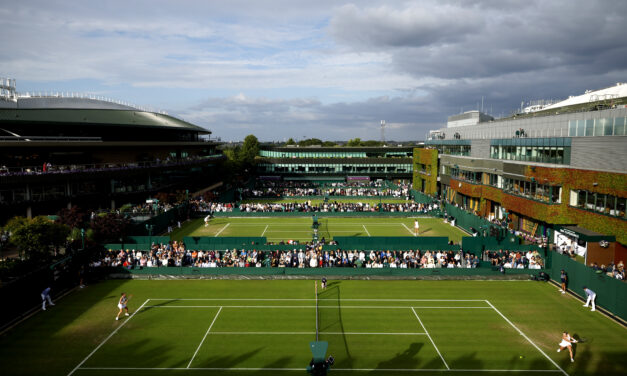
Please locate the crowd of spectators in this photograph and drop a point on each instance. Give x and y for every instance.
(49, 168)
(611, 270)
(309, 207)
(295, 189)
(515, 260)
(307, 256)
(199, 205)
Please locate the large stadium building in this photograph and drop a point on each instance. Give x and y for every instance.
(560, 172)
(59, 150)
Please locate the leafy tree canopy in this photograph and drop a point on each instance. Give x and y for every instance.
(110, 227)
(358, 142)
(38, 236)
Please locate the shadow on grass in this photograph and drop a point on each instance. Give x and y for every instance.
(225, 361)
(332, 317)
(406, 360)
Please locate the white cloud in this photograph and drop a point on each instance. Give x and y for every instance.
(326, 67)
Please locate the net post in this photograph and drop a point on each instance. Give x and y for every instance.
(316, 292)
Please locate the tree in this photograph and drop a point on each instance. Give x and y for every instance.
(290, 141)
(110, 227)
(37, 237)
(310, 142)
(74, 217)
(354, 142)
(249, 150)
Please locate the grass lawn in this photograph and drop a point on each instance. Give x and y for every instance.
(299, 228)
(263, 327)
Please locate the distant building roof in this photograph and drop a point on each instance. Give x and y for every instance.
(617, 91)
(467, 118)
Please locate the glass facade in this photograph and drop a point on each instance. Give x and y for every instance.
(469, 176)
(451, 147)
(324, 168)
(614, 126)
(598, 202)
(340, 153)
(533, 190)
(554, 150)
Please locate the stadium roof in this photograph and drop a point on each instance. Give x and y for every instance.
(617, 91)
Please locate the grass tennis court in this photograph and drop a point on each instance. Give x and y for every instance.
(222, 327)
(299, 228)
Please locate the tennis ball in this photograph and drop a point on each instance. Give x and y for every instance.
(521, 357)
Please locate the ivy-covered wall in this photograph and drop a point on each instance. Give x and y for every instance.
(593, 181)
(562, 213)
(428, 158)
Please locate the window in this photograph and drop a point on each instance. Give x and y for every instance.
(574, 195)
(533, 190)
(599, 202)
(619, 126)
(581, 127)
(572, 128)
(589, 127)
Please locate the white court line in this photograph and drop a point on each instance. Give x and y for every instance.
(409, 370)
(203, 338)
(308, 223)
(321, 333)
(304, 306)
(219, 232)
(349, 300)
(404, 225)
(527, 338)
(264, 230)
(430, 339)
(364, 229)
(308, 231)
(106, 339)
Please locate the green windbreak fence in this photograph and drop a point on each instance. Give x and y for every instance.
(478, 244)
(141, 243)
(421, 198)
(465, 219)
(328, 272)
(159, 224)
(611, 293)
(394, 242)
(205, 242)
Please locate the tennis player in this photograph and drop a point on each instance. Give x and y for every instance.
(416, 227)
(591, 298)
(207, 218)
(567, 342)
(122, 306)
(324, 283)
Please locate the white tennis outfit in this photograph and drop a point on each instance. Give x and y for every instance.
(122, 303)
(566, 343)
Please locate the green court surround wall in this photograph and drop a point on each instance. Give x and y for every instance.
(611, 293)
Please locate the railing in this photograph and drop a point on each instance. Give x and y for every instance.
(96, 167)
(44, 138)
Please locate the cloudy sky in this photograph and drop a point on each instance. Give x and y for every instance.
(325, 69)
